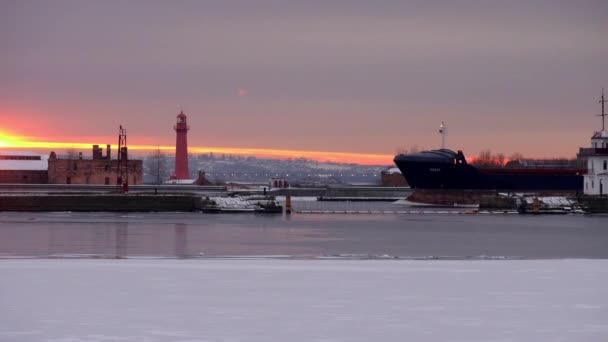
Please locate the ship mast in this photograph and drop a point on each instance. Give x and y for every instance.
(603, 115)
(442, 130)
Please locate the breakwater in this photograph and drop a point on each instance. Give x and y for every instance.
(99, 188)
(337, 192)
(102, 202)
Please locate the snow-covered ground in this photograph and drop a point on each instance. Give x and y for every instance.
(303, 300)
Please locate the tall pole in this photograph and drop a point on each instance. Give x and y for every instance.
(122, 178)
(603, 115)
(442, 131)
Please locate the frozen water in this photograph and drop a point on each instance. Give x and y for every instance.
(303, 300)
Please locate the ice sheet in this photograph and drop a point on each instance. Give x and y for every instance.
(303, 300)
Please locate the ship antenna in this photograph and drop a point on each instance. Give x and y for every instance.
(603, 115)
(442, 131)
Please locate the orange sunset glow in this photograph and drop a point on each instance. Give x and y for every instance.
(9, 141)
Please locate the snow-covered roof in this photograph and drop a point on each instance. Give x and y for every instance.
(180, 181)
(20, 153)
(17, 160)
(600, 135)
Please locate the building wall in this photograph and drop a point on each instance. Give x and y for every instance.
(277, 183)
(597, 165)
(23, 167)
(87, 171)
(596, 185)
(599, 143)
(596, 179)
(24, 176)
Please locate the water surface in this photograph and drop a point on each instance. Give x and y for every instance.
(302, 235)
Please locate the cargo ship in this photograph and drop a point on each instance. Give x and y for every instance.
(446, 169)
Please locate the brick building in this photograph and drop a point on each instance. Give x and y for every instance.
(278, 183)
(100, 169)
(23, 168)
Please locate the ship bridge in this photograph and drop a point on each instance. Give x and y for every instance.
(443, 155)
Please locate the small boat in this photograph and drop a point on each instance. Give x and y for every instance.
(244, 204)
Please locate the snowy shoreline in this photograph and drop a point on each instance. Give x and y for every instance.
(10, 256)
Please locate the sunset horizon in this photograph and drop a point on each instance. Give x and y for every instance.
(145, 145)
(11, 142)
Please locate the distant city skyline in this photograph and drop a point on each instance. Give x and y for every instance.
(325, 80)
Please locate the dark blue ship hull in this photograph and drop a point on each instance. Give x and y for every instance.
(446, 169)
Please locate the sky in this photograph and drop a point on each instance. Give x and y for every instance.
(352, 80)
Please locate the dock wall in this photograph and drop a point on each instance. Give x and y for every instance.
(347, 191)
(485, 198)
(98, 202)
(493, 202)
(594, 204)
